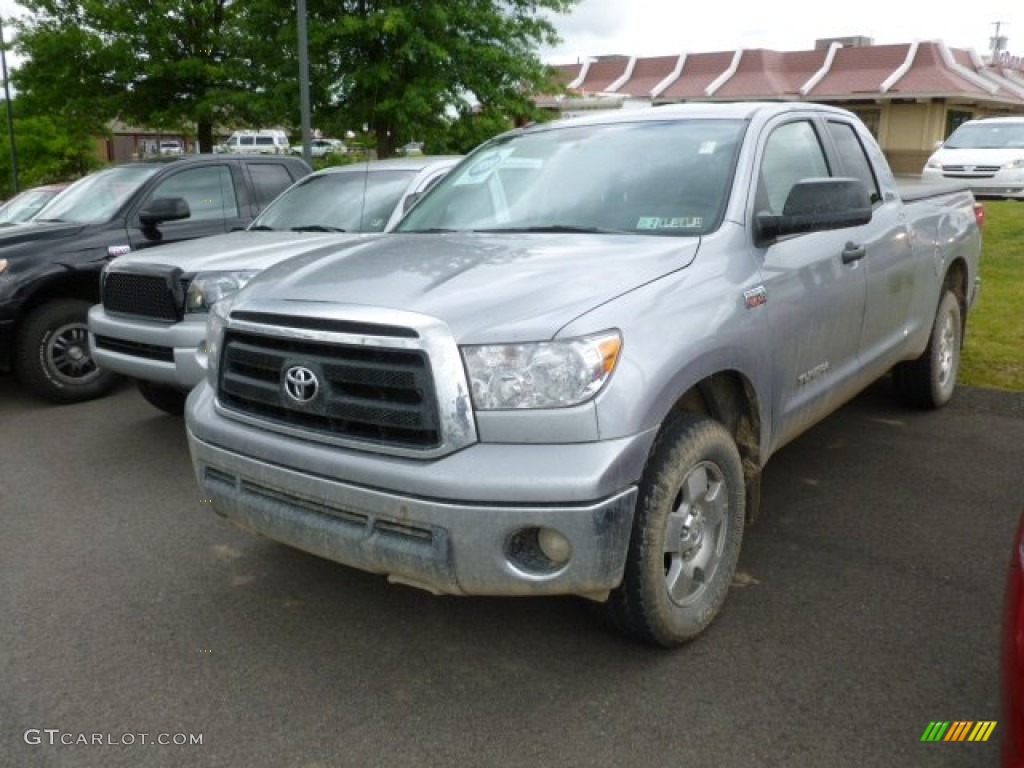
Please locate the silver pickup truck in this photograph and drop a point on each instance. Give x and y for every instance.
(151, 324)
(566, 370)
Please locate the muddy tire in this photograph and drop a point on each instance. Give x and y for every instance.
(929, 381)
(51, 354)
(687, 532)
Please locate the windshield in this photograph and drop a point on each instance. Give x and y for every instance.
(987, 136)
(652, 178)
(22, 207)
(350, 201)
(98, 196)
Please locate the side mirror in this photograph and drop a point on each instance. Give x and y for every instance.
(816, 205)
(937, 145)
(163, 209)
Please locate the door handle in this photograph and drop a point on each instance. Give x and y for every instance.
(853, 252)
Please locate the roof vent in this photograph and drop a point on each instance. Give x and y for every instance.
(858, 41)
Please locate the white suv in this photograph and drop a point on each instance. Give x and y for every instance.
(987, 154)
(262, 142)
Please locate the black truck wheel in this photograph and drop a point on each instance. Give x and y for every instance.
(167, 399)
(929, 381)
(51, 354)
(686, 537)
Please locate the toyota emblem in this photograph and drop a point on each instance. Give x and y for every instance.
(300, 384)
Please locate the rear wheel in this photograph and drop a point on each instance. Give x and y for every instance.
(167, 399)
(686, 537)
(929, 381)
(52, 357)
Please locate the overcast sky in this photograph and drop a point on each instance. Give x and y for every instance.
(663, 27)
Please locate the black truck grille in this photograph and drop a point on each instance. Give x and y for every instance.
(365, 393)
(156, 296)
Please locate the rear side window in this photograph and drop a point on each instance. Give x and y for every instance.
(268, 180)
(264, 141)
(851, 154)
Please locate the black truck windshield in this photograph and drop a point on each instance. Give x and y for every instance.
(98, 196)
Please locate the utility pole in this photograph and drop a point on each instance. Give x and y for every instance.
(307, 152)
(997, 42)
(10, 112)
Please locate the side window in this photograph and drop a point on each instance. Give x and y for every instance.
(209, 192)
(851, 155)
(268, 180)
(792, 153)
(247, 141)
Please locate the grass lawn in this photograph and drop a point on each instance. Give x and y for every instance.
(994, 346)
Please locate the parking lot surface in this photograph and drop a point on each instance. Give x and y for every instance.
(868, 604)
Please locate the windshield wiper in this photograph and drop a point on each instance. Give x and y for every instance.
(316, 228)
(430, 231)
(50, 221)
(559, 228)
(261, 228)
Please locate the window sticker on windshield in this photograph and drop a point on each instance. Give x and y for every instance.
(484, 166)
(679, 222)
(707, 148)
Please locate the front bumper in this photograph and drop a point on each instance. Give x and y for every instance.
(1008, 184)
(454, 525)
(169, 354)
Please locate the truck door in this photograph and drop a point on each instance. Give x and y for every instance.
(888, 263)
(209, 191)
(813, 299)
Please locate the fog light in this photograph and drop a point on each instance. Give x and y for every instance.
(537, 551)
(554, 545)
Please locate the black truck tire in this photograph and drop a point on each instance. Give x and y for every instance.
(687, 531)
(167, 399)
(51, 354)
(929, 381)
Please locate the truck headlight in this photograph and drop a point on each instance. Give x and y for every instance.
(1014, 165)
(207, 288)
(216, 324)
(550, 374)
(933, 164)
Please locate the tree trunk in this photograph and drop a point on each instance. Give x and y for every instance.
(204, 129)
(385, 139)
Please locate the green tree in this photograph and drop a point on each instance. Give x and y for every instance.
(49, 150)
(403, 68)
(162, 63)
(407, 68)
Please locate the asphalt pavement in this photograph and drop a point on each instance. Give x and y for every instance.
(868, 604)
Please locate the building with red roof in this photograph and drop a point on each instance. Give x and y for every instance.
(910, 95)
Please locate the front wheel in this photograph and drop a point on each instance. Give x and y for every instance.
(686, 536)
(929, 381)
(52, 357)
(167, 399)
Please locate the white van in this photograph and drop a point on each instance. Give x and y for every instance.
(261, 142)
(987, 154)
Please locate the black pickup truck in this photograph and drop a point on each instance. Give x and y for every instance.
(49, 267)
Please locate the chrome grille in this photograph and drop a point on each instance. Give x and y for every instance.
(375, 394)
(971, 171)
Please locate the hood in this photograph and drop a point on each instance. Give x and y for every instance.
(243, 250)
(486, 287)
(32, 232)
